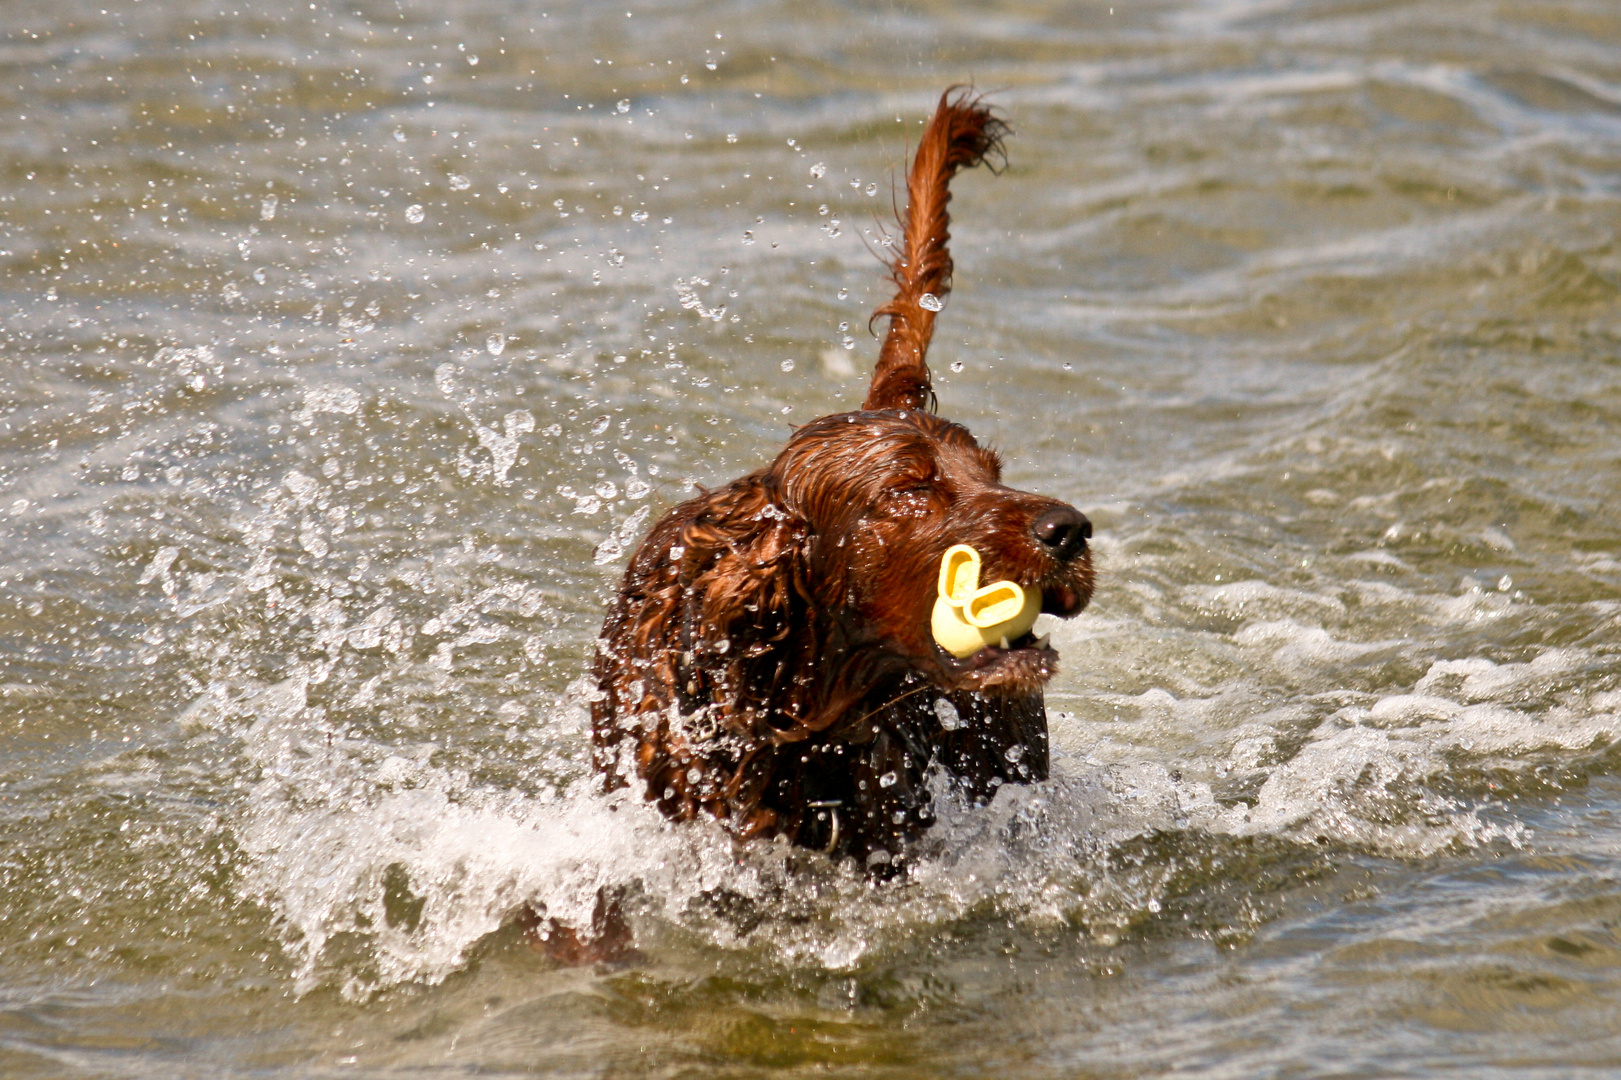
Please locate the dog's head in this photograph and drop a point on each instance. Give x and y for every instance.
(882, 495)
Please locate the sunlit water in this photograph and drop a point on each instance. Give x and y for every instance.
(347, 350)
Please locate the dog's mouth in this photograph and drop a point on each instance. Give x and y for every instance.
(1022, 665)
(1065, 601)
(992, 655)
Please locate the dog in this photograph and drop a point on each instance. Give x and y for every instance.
(768, 659)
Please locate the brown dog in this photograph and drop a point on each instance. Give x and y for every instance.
(769, 660)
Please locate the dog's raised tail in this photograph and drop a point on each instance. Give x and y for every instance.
(960, 135)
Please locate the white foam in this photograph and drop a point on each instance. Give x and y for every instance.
(1287, 643)
(1258, 598)
(329, 817)
(1479, 679)
(384, 862)
(331, 821)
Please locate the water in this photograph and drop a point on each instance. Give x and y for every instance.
(348, 349)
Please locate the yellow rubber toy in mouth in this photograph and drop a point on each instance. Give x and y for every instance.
(967, 618)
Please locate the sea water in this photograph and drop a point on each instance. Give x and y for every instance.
(349, 349)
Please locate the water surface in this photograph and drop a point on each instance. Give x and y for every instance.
(347, 348)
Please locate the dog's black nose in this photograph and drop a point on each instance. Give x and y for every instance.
(1063, 530)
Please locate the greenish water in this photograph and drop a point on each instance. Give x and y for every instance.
(346, 347)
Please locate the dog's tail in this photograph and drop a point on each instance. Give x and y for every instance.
(960, 135)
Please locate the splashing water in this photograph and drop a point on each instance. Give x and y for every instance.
(303, 563)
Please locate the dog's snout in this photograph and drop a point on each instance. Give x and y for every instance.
(1063, 531)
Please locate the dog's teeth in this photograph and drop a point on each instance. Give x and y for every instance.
(1004, 641)
(1041, 642)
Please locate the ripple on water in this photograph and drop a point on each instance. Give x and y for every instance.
(336, 398)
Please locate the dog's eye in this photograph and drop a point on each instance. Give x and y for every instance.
(918, 489)
(909, 499)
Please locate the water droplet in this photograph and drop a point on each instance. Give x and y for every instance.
(822, 210)
(472, 58)
(399, 136)
(459, 183)
(748, 236)
(267, 208)
(888, 779)
(637, 489)
(495, 343)
(444, 377)
(259, 275)
(787, 365)
(601, 425)
(956, 365)
(929, 302)
(414, 214)
(638, 216)
(843, 293)
(710, 64)
(607, 489)
(872, 189)
(950, 719)
(818, 170)
(683, 80)
(619, 211)
(731, 136)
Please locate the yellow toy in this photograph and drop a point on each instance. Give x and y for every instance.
(967, 618)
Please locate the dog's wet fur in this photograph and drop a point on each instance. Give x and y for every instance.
(768, 659)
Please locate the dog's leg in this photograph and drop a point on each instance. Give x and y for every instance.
(960, 135)
(607, 942)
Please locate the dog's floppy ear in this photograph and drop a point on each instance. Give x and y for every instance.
(743, 576)
(703, 641)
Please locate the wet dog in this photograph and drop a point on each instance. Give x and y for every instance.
(768, 660)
